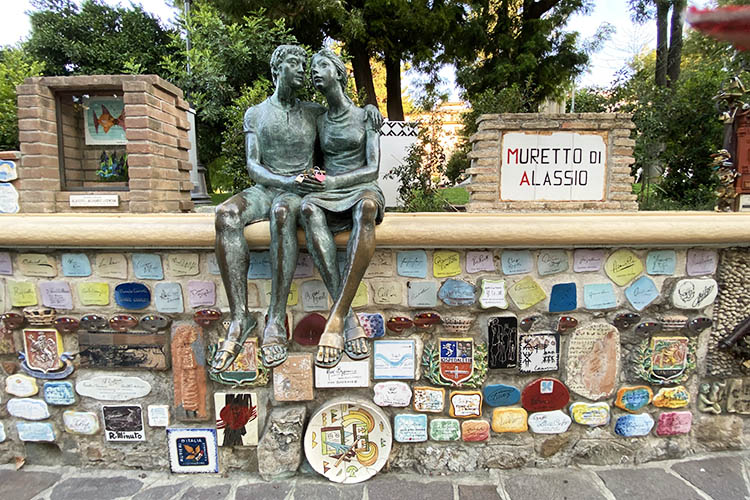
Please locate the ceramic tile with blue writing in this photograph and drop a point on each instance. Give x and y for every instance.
(634, 425)
(501, 395)
(147, 266)
(410, 428)
(132, 295)
(701, 261)
(422, 293)
(76, 265)
(56, 294)
(412, 263)
(35, 431)
(563, 298)
(552, 262)
(516, 261)
(213, 265)
(455, 292)
(8, 171)
(599, 296)
(260, 266)
(661, 262)
(201, 293)
(641, 293)
(304, 267)
(59, 393)
(314, 296)
(168, 297)
(6, 267)
(588, 260)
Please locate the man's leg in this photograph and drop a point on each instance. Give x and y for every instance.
(284, 252)
(232, 256)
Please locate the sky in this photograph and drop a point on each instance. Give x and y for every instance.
(628, 40)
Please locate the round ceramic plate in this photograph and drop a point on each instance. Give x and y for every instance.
(348, 441)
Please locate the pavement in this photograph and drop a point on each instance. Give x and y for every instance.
(716, 476)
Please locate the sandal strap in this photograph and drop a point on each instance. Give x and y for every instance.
(331, 340)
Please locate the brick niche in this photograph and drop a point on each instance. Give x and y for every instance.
(156, 126)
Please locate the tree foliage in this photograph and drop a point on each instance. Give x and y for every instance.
(15, 65)
(668, 34)
(95, 38)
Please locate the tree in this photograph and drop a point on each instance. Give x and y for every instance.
(95, 38)
(668, 35)
(15, 66)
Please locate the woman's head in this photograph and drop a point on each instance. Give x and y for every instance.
(330, 57)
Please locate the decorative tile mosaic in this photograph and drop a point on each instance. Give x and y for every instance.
(193, 451)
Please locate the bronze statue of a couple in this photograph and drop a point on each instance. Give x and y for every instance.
(283, 138)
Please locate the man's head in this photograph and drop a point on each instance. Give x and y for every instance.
(281, 54)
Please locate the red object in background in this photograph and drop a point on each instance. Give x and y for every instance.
(731, 24)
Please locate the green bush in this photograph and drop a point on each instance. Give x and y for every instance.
(15, 66)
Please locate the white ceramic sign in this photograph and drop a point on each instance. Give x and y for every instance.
(81, 422)
(393, 359)
(549, 422)
(113, 388)
(30, 409)
(158, 416)
(694, 293)
(493, 294)
(21, 385)
(345, 374)
(2, 432)
(563, 166)
(396, 394)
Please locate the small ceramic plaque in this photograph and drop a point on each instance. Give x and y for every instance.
(445, 263)
(81, 422)
(112, 265)
(2, 432)
(538, 352)
(293, 379)
(634, 425)
(168, 297)
(8, 171)
(549, 422)
(623, 266)
(373, 323)
(672, 397)
(632, 399)
(93, 293)
(147, 266)
(492, 294)
(412, 264)
(344, 374)
(526, 293)
(410, 428)
(394, 359)
(259, 266)
(591, 414)
(314, 296)
(641, 293)
(501, 395)
(661, 262)
(387, 292)
(673, 423)
(477, 262)
(694, 293)
(113, 388)
(8, 198)
(421, 293)
(445, 429)
(21, 385)
(133, 296)
(502, 342)
(182, 264)
(473, 431)
(56, 294)
(545, 394)
(158, 415)
(236, 418)
(6, 265)
(30, 409)
(397, 394)
(587, 261)
(75, 265)
(701, 262)
(429, 399)
(594, 360)
(516, 262)
(509, 420)
(193, 451)
(563, 297)
(36, 264)
(465, 404)
(22, 293)
(455, 292)
(552, 262)
(123, 423)
(201, 293)
(599, 296)
(35, 432)
(59, 393)
(381, 265)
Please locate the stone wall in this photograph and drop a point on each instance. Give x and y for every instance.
(548, 291)
(486, 162)
(157, 145)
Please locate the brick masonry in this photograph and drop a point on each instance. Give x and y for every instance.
(157, 144)
(485, 169)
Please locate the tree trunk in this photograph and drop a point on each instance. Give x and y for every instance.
(393, 87)
(675, 40)
(662, 47)
(363, 72)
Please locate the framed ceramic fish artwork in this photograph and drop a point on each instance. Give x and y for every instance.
(104, 120)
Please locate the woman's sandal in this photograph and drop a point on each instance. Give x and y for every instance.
(334, 340)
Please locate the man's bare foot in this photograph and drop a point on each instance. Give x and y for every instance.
(274, 350)
(237, 332)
